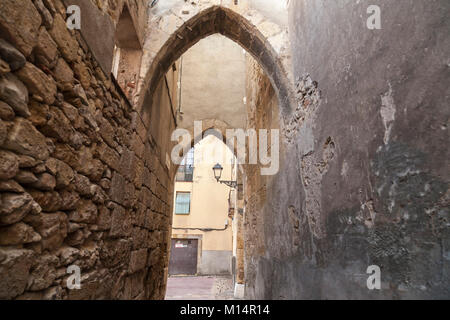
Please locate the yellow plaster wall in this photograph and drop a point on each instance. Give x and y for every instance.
(209, 199)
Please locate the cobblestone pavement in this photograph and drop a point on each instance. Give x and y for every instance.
(200, 288)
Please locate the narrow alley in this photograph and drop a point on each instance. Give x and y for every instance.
(200, 288)
(224, 149)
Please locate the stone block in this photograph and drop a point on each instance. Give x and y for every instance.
(38, 83)
(43, 273)
(67, 44)
(46, 49)
(52, 227)
(63, 75)
(86, 212)
(6, 112)
(9, 165)
(14, 271)
(11, 55)
(49, 201)
(62, 171)
(23, 138)
(15, 94)
(120, 222)
(138, 260)
(14, 207)
(17, 234)
(19, 24)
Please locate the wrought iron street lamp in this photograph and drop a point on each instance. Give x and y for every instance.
(218, 173)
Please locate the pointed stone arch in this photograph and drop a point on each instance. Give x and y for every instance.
(170, 36)
(209, 124)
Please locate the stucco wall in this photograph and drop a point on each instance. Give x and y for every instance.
(215, 262)
(209, 207)
(365, 179)
(213, 82)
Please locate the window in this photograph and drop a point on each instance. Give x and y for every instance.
(127, 54)
(185, 174)
(185, 171)
(183, 203)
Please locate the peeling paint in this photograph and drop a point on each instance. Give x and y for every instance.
(370, 221)
(313, 167)
(344, 169)
(308, 97)
(387, 112)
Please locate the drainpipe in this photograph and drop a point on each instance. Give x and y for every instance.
(180, 85)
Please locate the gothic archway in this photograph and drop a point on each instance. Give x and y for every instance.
(218, 19)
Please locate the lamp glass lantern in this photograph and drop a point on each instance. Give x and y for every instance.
(217, 171)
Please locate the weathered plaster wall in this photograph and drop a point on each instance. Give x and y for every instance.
(274, 10)
(365, 176)
(213, 82)
(113, 8)
(216, 262)
(208, 208)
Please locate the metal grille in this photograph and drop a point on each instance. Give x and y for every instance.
(185, 173)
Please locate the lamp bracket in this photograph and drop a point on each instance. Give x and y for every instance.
(231, 184)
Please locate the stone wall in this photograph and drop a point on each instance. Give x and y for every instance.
(86, 178)
(364, 180)
(262, 113)
(81, 182)
(172, 32)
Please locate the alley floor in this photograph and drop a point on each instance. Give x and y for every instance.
(200, 288)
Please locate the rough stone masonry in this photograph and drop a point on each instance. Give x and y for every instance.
(70, 193)
(363, 177)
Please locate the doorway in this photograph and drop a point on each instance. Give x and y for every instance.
(183, 258)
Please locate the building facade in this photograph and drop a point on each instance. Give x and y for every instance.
(202, 236)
